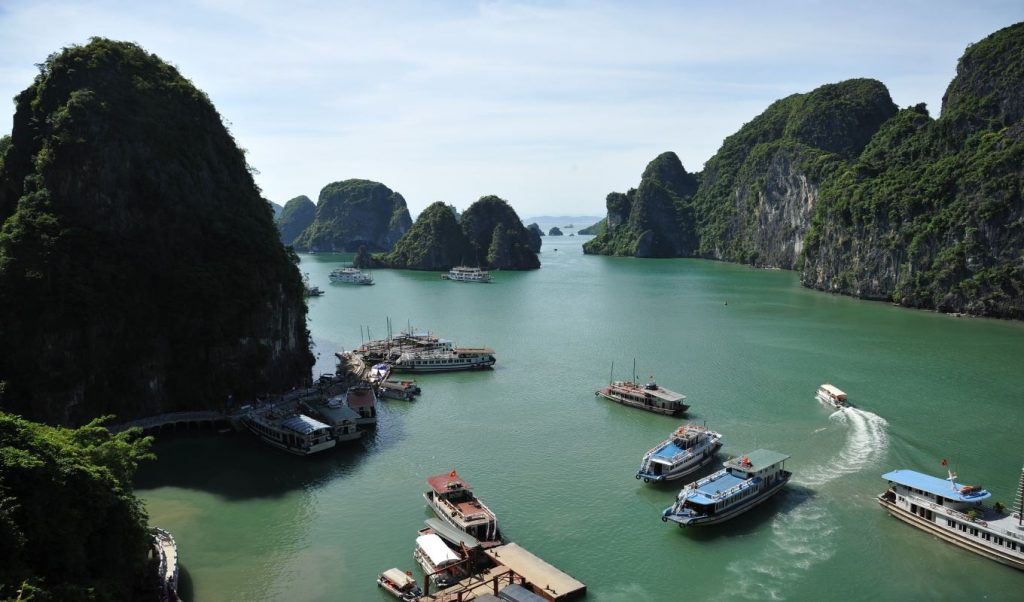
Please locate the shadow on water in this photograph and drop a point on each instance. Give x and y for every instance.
(238, 466)
(186, 589)
(781, 504)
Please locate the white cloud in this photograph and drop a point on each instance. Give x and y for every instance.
(540, 103)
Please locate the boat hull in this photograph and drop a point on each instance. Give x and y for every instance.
(912, 519)
(696, 521)
(825, 399)
(298, 451)
(642, 406)
(482, 364)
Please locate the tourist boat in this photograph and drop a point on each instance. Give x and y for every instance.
(460, 358)
(402, 389)
(441, 564)
(343, 420)
(453, 501)
(650, 396)
(955, 512)
(467, 274)
(744, 483)
(350, 276)
(832, 395)
(400, 584)
(361, 398)
(688, 449)
(295, 433)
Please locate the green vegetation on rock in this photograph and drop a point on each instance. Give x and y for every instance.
(140, 269)
(555, 231)
(535, 236)
(297, 215)
(435, 242)
(595, 229)
(354, 213)
(70, 526)
(513, 249)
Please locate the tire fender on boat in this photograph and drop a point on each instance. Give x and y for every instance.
(638, 476)
(664, 519)
(646, 480)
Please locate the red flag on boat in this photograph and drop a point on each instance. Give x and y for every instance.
(944, 463)
(452, 474)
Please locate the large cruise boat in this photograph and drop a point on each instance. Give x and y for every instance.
(744, 483)
(688, 449)
(441, 360)
(956, 513)
(350, 276)
(453, 501)
(295, 433)
(650, 396)
(832, 395)
(467, 274)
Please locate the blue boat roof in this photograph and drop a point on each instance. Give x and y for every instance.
(706, 493)
(935, 486)
(669, 451)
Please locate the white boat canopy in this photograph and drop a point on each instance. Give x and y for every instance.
(399, 578)
(440, 555)
(303, 424)
(833, 391)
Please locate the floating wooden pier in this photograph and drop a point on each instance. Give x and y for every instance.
(176, 421)
(544, 579)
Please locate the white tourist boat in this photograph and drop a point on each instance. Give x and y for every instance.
(467, 274)
(295, 433)
(350, 276)
(685, 451)
(343, 420)
(361, 398)
(956, 513)
(441, 564)
(453, 501)
(400, 585)
(441, 360)
(744, 483)
(832, 395)
(649, 396)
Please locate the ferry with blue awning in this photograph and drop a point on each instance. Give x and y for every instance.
(685, 451)
(744, 483)
(956, 512)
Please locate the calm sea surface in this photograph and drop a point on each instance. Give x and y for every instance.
(749, 348)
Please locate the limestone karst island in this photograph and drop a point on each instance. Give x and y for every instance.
(511, 302)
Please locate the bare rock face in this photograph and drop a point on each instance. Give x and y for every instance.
(356, 213)
(140, 270)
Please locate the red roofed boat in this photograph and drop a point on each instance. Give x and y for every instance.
(453, 501)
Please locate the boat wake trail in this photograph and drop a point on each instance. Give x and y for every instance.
(801, 538)
(802, 535)
(866, 441)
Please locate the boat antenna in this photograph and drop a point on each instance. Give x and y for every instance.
(360, 334)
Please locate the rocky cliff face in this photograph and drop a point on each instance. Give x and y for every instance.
(508, 247)
(654, 220)
(356, 213)
(435, 242)
(140, 270)
(932, 215)
(535, 237)
(296, 216)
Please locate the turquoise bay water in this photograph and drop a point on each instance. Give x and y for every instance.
(749, 347)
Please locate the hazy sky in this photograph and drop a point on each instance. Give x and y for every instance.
(550, 105)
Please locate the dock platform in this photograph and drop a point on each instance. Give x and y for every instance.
(544, 579)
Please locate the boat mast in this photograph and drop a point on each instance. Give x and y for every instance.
(1020, 500)
(610, 372)
(634, 370)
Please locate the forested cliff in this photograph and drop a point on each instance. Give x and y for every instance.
(140, 269)
(864, 199)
